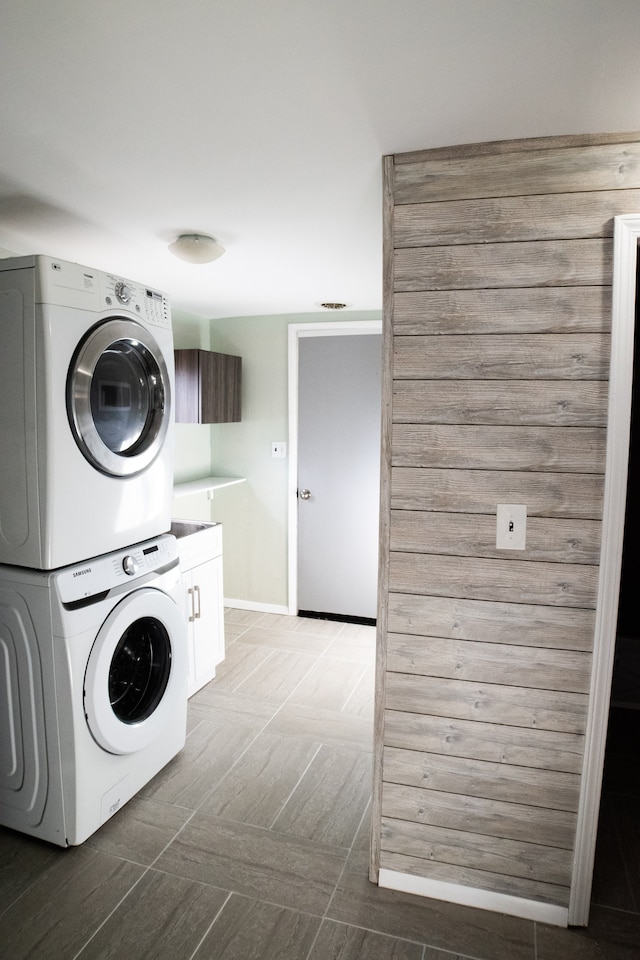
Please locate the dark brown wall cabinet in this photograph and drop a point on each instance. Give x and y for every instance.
(207, 387)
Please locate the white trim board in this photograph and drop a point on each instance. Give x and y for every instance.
(625, 245)
(473, 897)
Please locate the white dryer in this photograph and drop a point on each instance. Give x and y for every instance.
(93, 687)
(86, 434)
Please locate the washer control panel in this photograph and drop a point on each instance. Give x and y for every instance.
(101, 574)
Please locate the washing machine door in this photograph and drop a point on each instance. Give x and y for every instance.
(119, 397)
(136, 675)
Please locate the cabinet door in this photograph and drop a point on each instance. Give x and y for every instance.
(206, 622)
(208, 387)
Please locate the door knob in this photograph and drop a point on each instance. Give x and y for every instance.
(305, 494)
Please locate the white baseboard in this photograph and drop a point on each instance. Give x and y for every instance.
(258, 607)
(472, 897)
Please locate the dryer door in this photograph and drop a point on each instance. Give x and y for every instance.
(119, 397)
(136, 677)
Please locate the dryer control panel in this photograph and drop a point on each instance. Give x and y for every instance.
(101, 574)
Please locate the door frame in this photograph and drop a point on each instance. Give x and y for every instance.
(296, 331)
(625, 255)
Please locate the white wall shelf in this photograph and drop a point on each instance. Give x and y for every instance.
(204, 485)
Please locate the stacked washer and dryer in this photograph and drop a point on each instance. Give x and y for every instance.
(93, 661)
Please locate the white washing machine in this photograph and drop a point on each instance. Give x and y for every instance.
(86, 434)
(93, 687)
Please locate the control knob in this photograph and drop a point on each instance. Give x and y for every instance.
(129, 565)
(123, 292)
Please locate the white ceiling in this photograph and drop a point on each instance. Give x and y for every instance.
(263, 123)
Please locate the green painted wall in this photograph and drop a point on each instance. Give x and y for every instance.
(254, 513)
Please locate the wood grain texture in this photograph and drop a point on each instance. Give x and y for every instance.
(530, 357)
(510, 857)
(550, 170)
(487, 702)
(491, 818)
(485, 740)
(482, 778)
(479, 879)
(555, 403)
(555, 310)
(478, 491)
(571, 263)
(550, 584)
(490, 622)
(468, 447)
(502, 219)
(473, 535)
(538, 668)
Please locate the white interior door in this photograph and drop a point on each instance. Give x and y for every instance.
(339, 396)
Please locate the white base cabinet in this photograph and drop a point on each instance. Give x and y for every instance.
(200, 550)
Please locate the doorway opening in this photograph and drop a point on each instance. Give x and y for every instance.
(298, 333)
(625, 267)
(616, 883)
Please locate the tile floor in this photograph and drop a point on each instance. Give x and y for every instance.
(253, 842)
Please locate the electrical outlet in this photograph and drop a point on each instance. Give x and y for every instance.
(511, 526)
(278, 448)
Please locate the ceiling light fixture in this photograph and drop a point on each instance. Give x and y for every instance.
(196, 248)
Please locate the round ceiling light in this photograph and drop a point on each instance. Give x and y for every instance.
(196, 248)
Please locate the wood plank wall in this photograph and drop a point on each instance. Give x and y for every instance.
(498, 270)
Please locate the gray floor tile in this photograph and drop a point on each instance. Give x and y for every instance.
(611, 935)
(57, 915)
(337, 941)
(277, 677)
(209, 753)
(259, 785)
(442, 926)
(162, 917)
(328, 803)
(22, 861)
(213, 703)
(303, 625)
(140, 830)
(256, 862)
(251, 930)
(329, 684)
(326, 726)
(293, 640)
(361, 701)
(240, 662)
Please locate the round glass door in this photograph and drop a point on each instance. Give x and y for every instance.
(118, 397)
(140, 669)
(136, 677)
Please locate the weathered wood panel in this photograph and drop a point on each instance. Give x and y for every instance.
(539, 668)
(491, 622)
(482, 740)
(572, 263)
(464, 447)
(526, 172)
(474, 535)
(486, 702)
(538, 310)
(495, 854)
(492, 818)
(478, 491)
(480, 879)
(480, 778)
(559, 404)
(526, 357)
(550, 584)
(508, 219)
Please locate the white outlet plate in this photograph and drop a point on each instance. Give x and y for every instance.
(511, 526)
(278, 448)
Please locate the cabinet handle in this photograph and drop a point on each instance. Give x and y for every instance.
(196, 590)
(192, 615)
